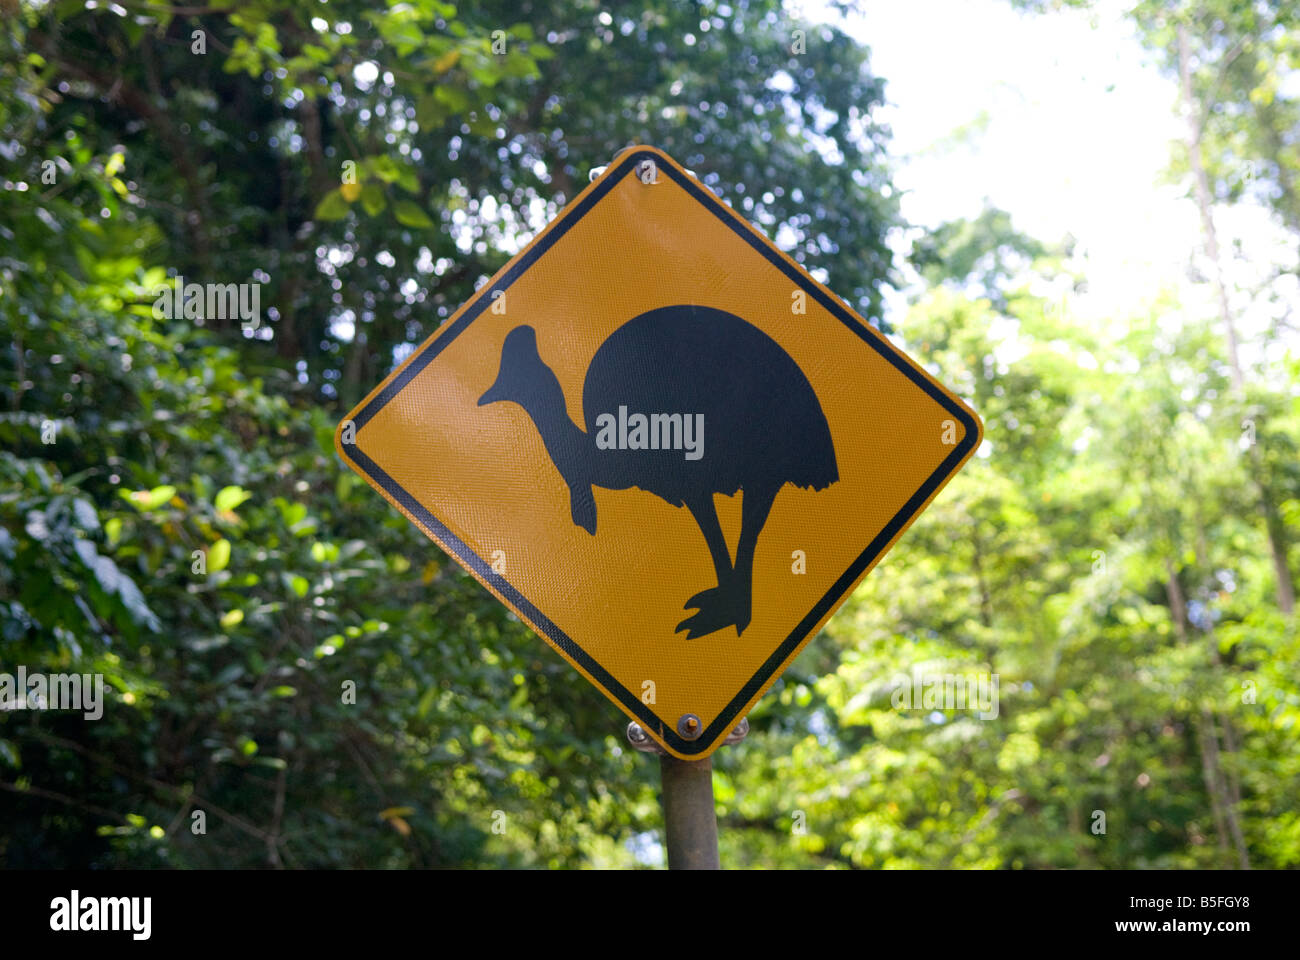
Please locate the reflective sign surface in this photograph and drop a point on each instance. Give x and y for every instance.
(663, 445)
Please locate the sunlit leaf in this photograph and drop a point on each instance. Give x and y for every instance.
(218, 556)
(409, 214)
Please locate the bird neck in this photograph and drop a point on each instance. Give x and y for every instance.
(566, 442)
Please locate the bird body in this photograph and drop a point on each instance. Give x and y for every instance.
(756, 404)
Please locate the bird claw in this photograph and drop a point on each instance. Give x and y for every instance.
(703, 599)
(717, 611)
(700, 624)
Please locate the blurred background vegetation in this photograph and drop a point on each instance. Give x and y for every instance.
(1121, 553)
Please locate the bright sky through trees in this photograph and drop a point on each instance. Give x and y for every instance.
(1064, 121)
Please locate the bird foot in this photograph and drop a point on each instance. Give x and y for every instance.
(718, 609)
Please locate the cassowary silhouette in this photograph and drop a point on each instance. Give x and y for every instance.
(764, 425)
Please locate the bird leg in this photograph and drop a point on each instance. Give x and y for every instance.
(731, 602)
(706, 515)
(757, 505)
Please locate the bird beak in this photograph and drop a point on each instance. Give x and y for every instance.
(492, 395)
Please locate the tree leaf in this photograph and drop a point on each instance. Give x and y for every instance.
(333, 206)
(409, 214)
(373, 199)
(384, 167)
(146, 500)
(446, 61)
(228, 498)
(219, 556)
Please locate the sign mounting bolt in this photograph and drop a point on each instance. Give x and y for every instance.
(739, 733)
(639, 739)
(689, 727)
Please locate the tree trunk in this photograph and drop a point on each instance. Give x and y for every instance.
(1209, 770)
(1223, 798)
(1273, 525)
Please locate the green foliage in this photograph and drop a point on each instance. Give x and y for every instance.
(1046, 562)
(284, 652)
(288, 655)
(982, 254)
(228, 683)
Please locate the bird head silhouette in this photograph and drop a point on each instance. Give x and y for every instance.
(521, 372)
(525, 379)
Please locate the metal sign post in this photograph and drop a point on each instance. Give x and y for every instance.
(690, 818)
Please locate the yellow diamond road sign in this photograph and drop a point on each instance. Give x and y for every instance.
(662, 444)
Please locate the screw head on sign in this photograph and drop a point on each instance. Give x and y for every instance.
(689, 727)
(640, 740)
